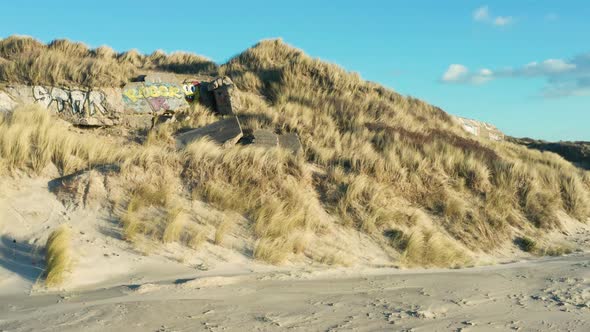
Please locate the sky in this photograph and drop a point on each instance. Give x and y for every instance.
(521, 65)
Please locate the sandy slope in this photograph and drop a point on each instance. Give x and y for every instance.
(115, 287)
(547, 294)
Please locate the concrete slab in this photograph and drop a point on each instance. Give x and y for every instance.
(226, 132)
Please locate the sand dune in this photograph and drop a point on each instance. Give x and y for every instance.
(116, 288)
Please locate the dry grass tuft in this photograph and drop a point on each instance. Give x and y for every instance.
(526, 244)
(154, 210)
(273, 251)
(268, 186)
(196, 237)
(222, 229)
(175, 222)
(150, 212)
(63, 62)
(575, 197)
(529, 245)
(558, 249)
(31, 139)
(183, 63)
(58, 256)
(429, 248)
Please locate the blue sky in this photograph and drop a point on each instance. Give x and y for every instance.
(521, 65)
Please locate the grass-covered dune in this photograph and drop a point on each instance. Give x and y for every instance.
(575, 152)
(391, 167)
(62, 62)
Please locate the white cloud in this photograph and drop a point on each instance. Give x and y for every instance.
(557, 65)
(482, 76)
(563, 77)
(574, 81)
(455, 73)
(503, 20)
(481, 14)
(549, 67)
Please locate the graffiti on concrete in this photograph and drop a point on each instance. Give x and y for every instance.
(158, 104)
(61, 97)
(96, 101)
(42, 96)
(152, 90)
(77, 98)
(153, 97)
(75, 101)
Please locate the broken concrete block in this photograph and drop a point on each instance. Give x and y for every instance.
(268, 139)
(219, 82)
(265, 138)
(226, 132)
(224, 101)
(290, 142)
(223, 93)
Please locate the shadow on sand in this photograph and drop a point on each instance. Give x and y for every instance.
(21, 258)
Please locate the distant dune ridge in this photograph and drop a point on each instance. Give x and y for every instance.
(575, 152)
(381, 179)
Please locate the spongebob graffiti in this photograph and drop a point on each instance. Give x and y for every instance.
(191, 91)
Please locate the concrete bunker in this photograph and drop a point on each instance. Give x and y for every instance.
(220, 96)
